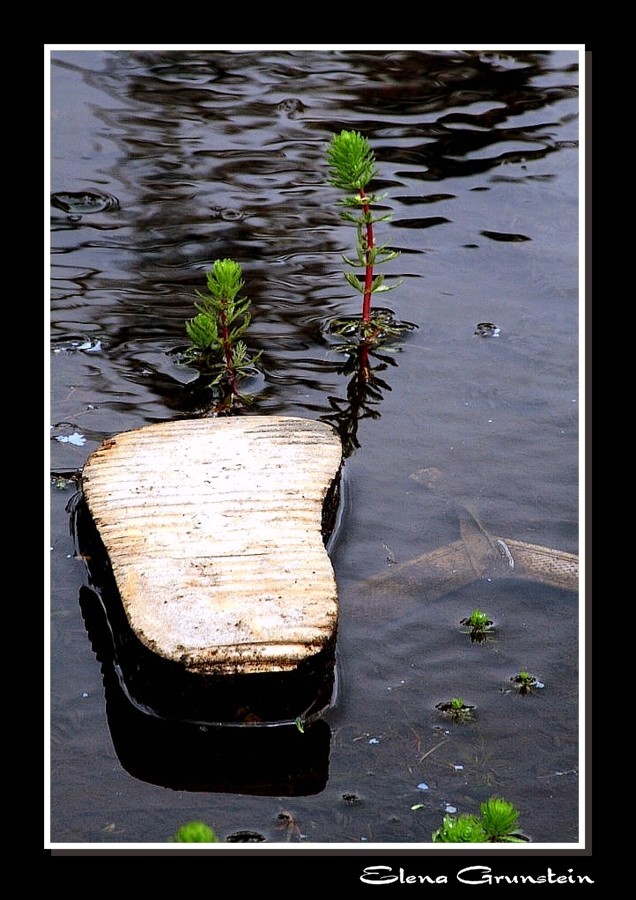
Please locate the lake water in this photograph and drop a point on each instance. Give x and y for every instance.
(163, 161)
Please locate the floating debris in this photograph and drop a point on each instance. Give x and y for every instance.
(504, 550)
(76, 438)
(90, 346)
(85, 346)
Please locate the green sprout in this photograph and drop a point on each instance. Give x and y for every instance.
(216, 331)
(456, 709)
(352, 166)
(479, 624)
(496, 824)
(525, 682)
(478, 619)
(194, 833)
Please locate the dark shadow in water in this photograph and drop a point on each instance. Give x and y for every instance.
(364, 394)
(250, 734)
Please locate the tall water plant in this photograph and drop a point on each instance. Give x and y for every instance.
(351, 166)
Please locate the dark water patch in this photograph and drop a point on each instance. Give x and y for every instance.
(429, 198)
(505, 236)
(512, 179)
(427, 222)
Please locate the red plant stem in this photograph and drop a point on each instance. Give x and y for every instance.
(368, 274)
(227, 351)
(364, 372)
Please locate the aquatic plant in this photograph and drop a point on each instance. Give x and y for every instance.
(456, 709)
(499, 820)
(497, 823)
(194, 833)
(465, 828)
(216, 331)
(525, 682)
(352, 166)
(479, 625)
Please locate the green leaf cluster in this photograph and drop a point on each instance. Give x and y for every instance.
(351, 161)
(500, 819)
(216, 331)
(462, 829)
(497, 823)
(478, 619)
(194, 833)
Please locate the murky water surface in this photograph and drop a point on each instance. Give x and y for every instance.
(162, 162)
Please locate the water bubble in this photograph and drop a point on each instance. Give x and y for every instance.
(486, 329)
(291, 107)
(77, 203)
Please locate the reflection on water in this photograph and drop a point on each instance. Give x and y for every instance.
(364, 392)
(214, 159)
(162, 162)
(189, 756)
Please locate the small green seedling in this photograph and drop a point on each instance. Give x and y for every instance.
(456, 709)
(497, 823)
(479, 625)
(217, 348)
(525, 682)
(194, 833)
(352, 166)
